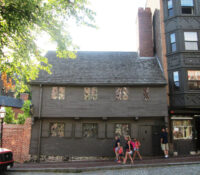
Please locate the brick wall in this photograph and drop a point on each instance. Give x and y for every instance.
(17, 111)
(17, 139)
(145, 32)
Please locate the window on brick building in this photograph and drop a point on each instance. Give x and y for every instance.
(58, 93)
(187, 7)
(194, 79)
(122, 129)
(176, 80)
(170, 8)
(122, 93)
(191, 40)
(57, 129)
(173, 42)
(89, 130)
(90, 93)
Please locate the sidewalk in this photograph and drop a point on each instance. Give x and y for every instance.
(82, 166)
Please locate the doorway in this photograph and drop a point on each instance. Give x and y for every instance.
(145, 137)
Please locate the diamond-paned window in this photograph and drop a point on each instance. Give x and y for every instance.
(58, 93)
(146, 93)
(122, 129)
(89, 130)
(90, 93)
(57, 129)
(122, 93)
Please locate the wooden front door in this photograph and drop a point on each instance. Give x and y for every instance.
(145, 137)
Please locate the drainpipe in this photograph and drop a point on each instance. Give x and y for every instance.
(40, 127)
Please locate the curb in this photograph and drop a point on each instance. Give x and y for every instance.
(100, 168)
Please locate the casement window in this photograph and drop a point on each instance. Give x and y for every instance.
(89, 130)
(58, 93)
(90, 93)
(182, 129)
(57, 129)
(121, 93)
(170, 8)
(176, 80)
(187, 7)
(122, 129)
(173, 42)
(191, 40)
(146, 93)
(194, 79)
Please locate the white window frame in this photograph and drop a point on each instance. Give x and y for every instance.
(173, 42)
(188, 40)
(176, 80)
(170, 8)
(187, 6)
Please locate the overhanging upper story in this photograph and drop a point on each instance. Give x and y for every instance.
(182, 31)
(100, 84)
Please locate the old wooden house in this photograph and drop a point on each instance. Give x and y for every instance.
(85, 102)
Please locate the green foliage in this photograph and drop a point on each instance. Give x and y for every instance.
(21, 118)
(22, 21)
(26, 108)
(10, 116)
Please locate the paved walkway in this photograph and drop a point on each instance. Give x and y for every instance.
(192, 169)
(81, 166)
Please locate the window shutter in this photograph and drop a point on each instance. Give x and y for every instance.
(68, 129)
(45, 129)
(134, 131)
(110, 130)
(101, 130)
(78, 130)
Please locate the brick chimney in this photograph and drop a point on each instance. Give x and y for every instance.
(145, 32)
(24, 96)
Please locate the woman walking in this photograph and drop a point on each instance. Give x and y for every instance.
(128, 149)
(136, 149)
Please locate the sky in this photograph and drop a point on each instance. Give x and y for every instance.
(116, 22)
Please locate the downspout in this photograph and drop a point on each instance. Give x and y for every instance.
(40, 127)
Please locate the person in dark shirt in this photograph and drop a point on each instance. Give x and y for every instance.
(117, 147)
(164, 142)
(129, 150)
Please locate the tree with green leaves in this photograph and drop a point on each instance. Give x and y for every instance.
(21, 22)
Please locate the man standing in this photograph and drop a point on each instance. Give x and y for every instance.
(164, 142)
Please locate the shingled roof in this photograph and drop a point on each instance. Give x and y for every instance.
(102, 68)
(11, 102)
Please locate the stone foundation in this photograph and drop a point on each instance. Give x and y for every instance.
(67, 158)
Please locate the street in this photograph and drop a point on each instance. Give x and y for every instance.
(174, 170)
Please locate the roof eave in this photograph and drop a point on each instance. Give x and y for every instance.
(99, 84)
